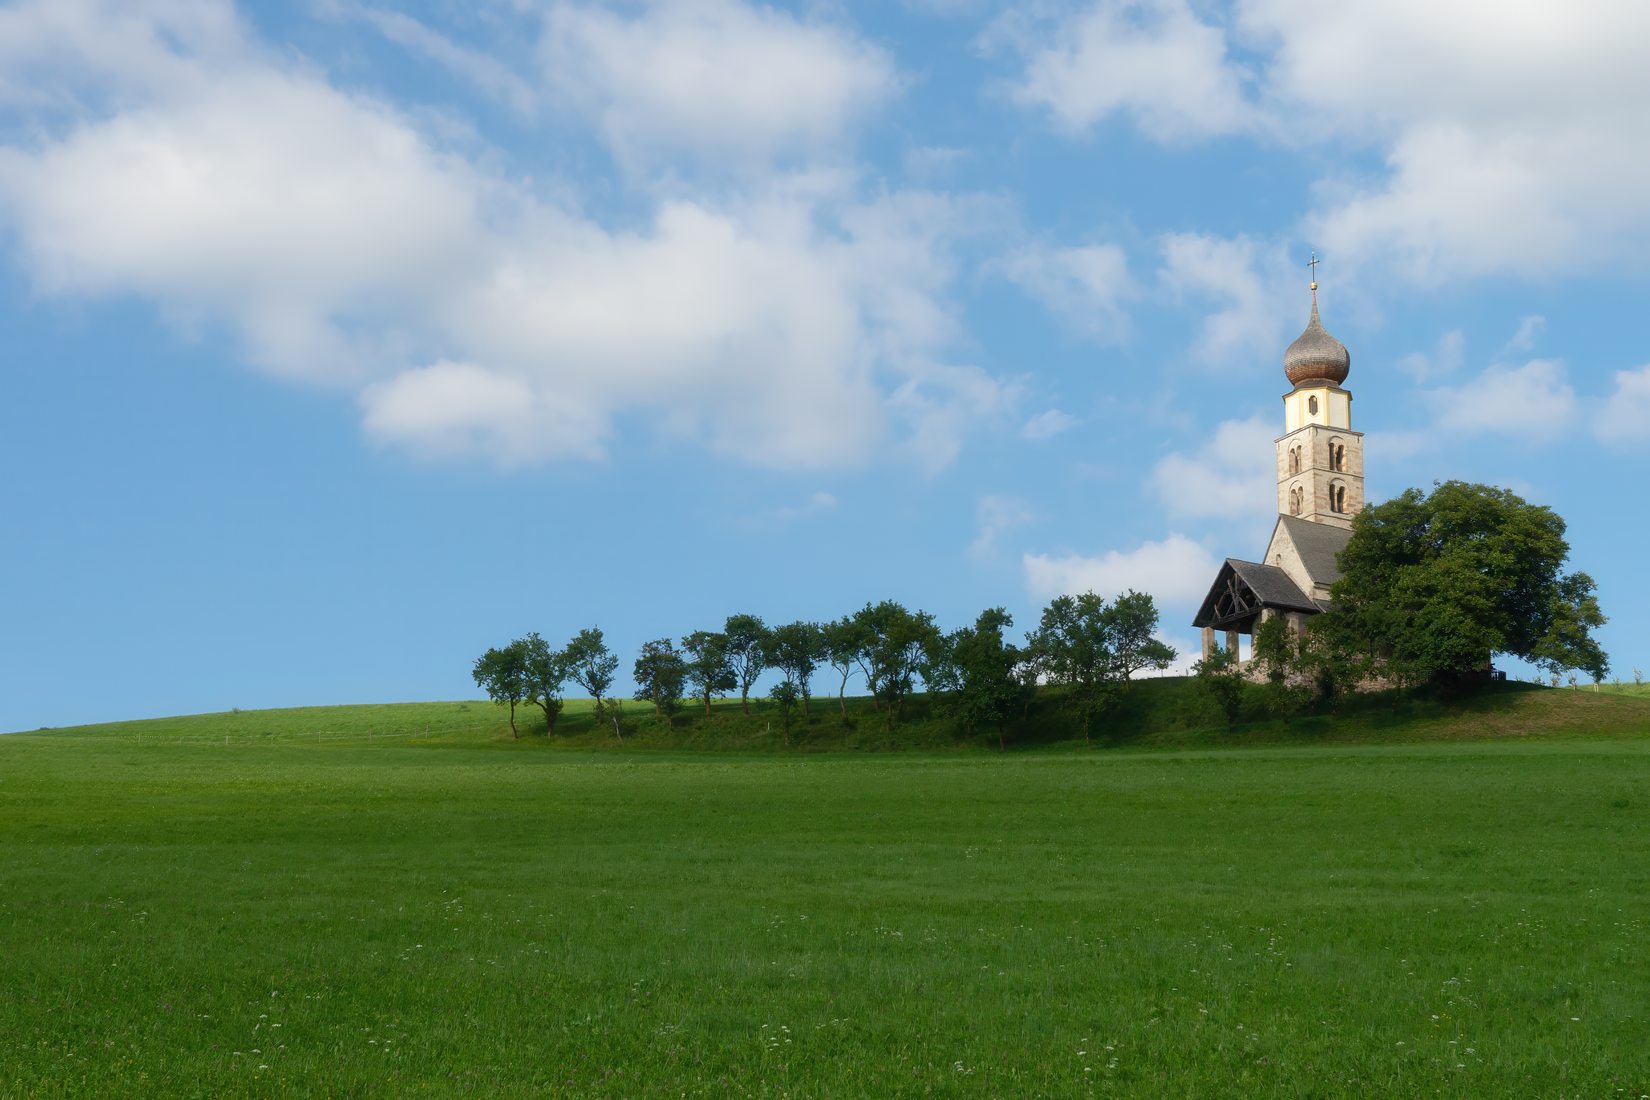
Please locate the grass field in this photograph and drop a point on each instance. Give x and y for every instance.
(438, 912)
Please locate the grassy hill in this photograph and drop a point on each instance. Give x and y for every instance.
(1168, 712)
(437, 912)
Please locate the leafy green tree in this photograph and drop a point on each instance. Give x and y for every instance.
(708, 670)
(1278, 654)
(897, 643)
(747, 653)
(844, 644)
(1433, 584)
(591, 665)
(1094, 648)
(546, 672)
(985, 669)
(796, 649)
(660, 674)
(785, 695)
(1131, 622)
(1220, 675)
(502, 673)
(1030, 666)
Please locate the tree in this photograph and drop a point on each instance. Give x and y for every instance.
(986, 672)
(1131, 622)
(844, 645)
(796, 649)
(1433, 585)
(660, 673)
(708, 670)
(747, 645)
(502, 673)
(1219, 673)
(591, 665)
(1278, 654)
(897, 642)
(1094, 648)
(546, 671)
(785, 694)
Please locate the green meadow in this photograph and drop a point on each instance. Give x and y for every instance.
(406, 902)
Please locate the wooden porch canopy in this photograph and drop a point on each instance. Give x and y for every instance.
(1243, 589)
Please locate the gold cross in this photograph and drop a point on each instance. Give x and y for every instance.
(1313, 264)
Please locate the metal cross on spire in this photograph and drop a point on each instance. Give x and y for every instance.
(1313, 264)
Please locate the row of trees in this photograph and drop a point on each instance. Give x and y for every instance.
(1092, 646)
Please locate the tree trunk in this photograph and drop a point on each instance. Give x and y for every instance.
(707, 702)
(513, 734)
(745, 699)
(842, 695)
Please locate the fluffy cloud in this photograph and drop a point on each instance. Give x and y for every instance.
(1176, 571)
(1084, 286)
(1153, 60)
(1233, 476)
(994, 515)
(1254, 285)
(1533, 401)
(716, 78)
(479, 314)
(1046, 425)
(1512, 136)
(1625, 415)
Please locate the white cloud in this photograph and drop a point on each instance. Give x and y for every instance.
(1444, 359)
(474, 314)
(1625, 414)
(274, 202)
(1533, 401)
(462, 410)
(1513, 136)
(995, 515)
(719, 79)
(1529, 331)
(1084, 286)
(1046, 425)
(1512, 133)
(491, 76)
(1153, 60)
(1256, 288)
(1232, 476)
(1176, 572)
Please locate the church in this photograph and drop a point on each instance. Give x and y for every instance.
(1320, 467)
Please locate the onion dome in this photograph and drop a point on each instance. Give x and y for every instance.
(1316, 356)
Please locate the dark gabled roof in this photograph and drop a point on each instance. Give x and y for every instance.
(1318, 545)
(1243, 589)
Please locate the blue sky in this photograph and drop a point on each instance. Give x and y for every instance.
(343, 340)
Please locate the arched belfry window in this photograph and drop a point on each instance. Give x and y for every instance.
(1297, 499)
(1337, 497)
(1312, 405)
(1337, 455)
(1295, 459)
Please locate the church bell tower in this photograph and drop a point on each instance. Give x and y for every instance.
(1320, 457)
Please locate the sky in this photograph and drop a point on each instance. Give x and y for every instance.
(343, 341)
